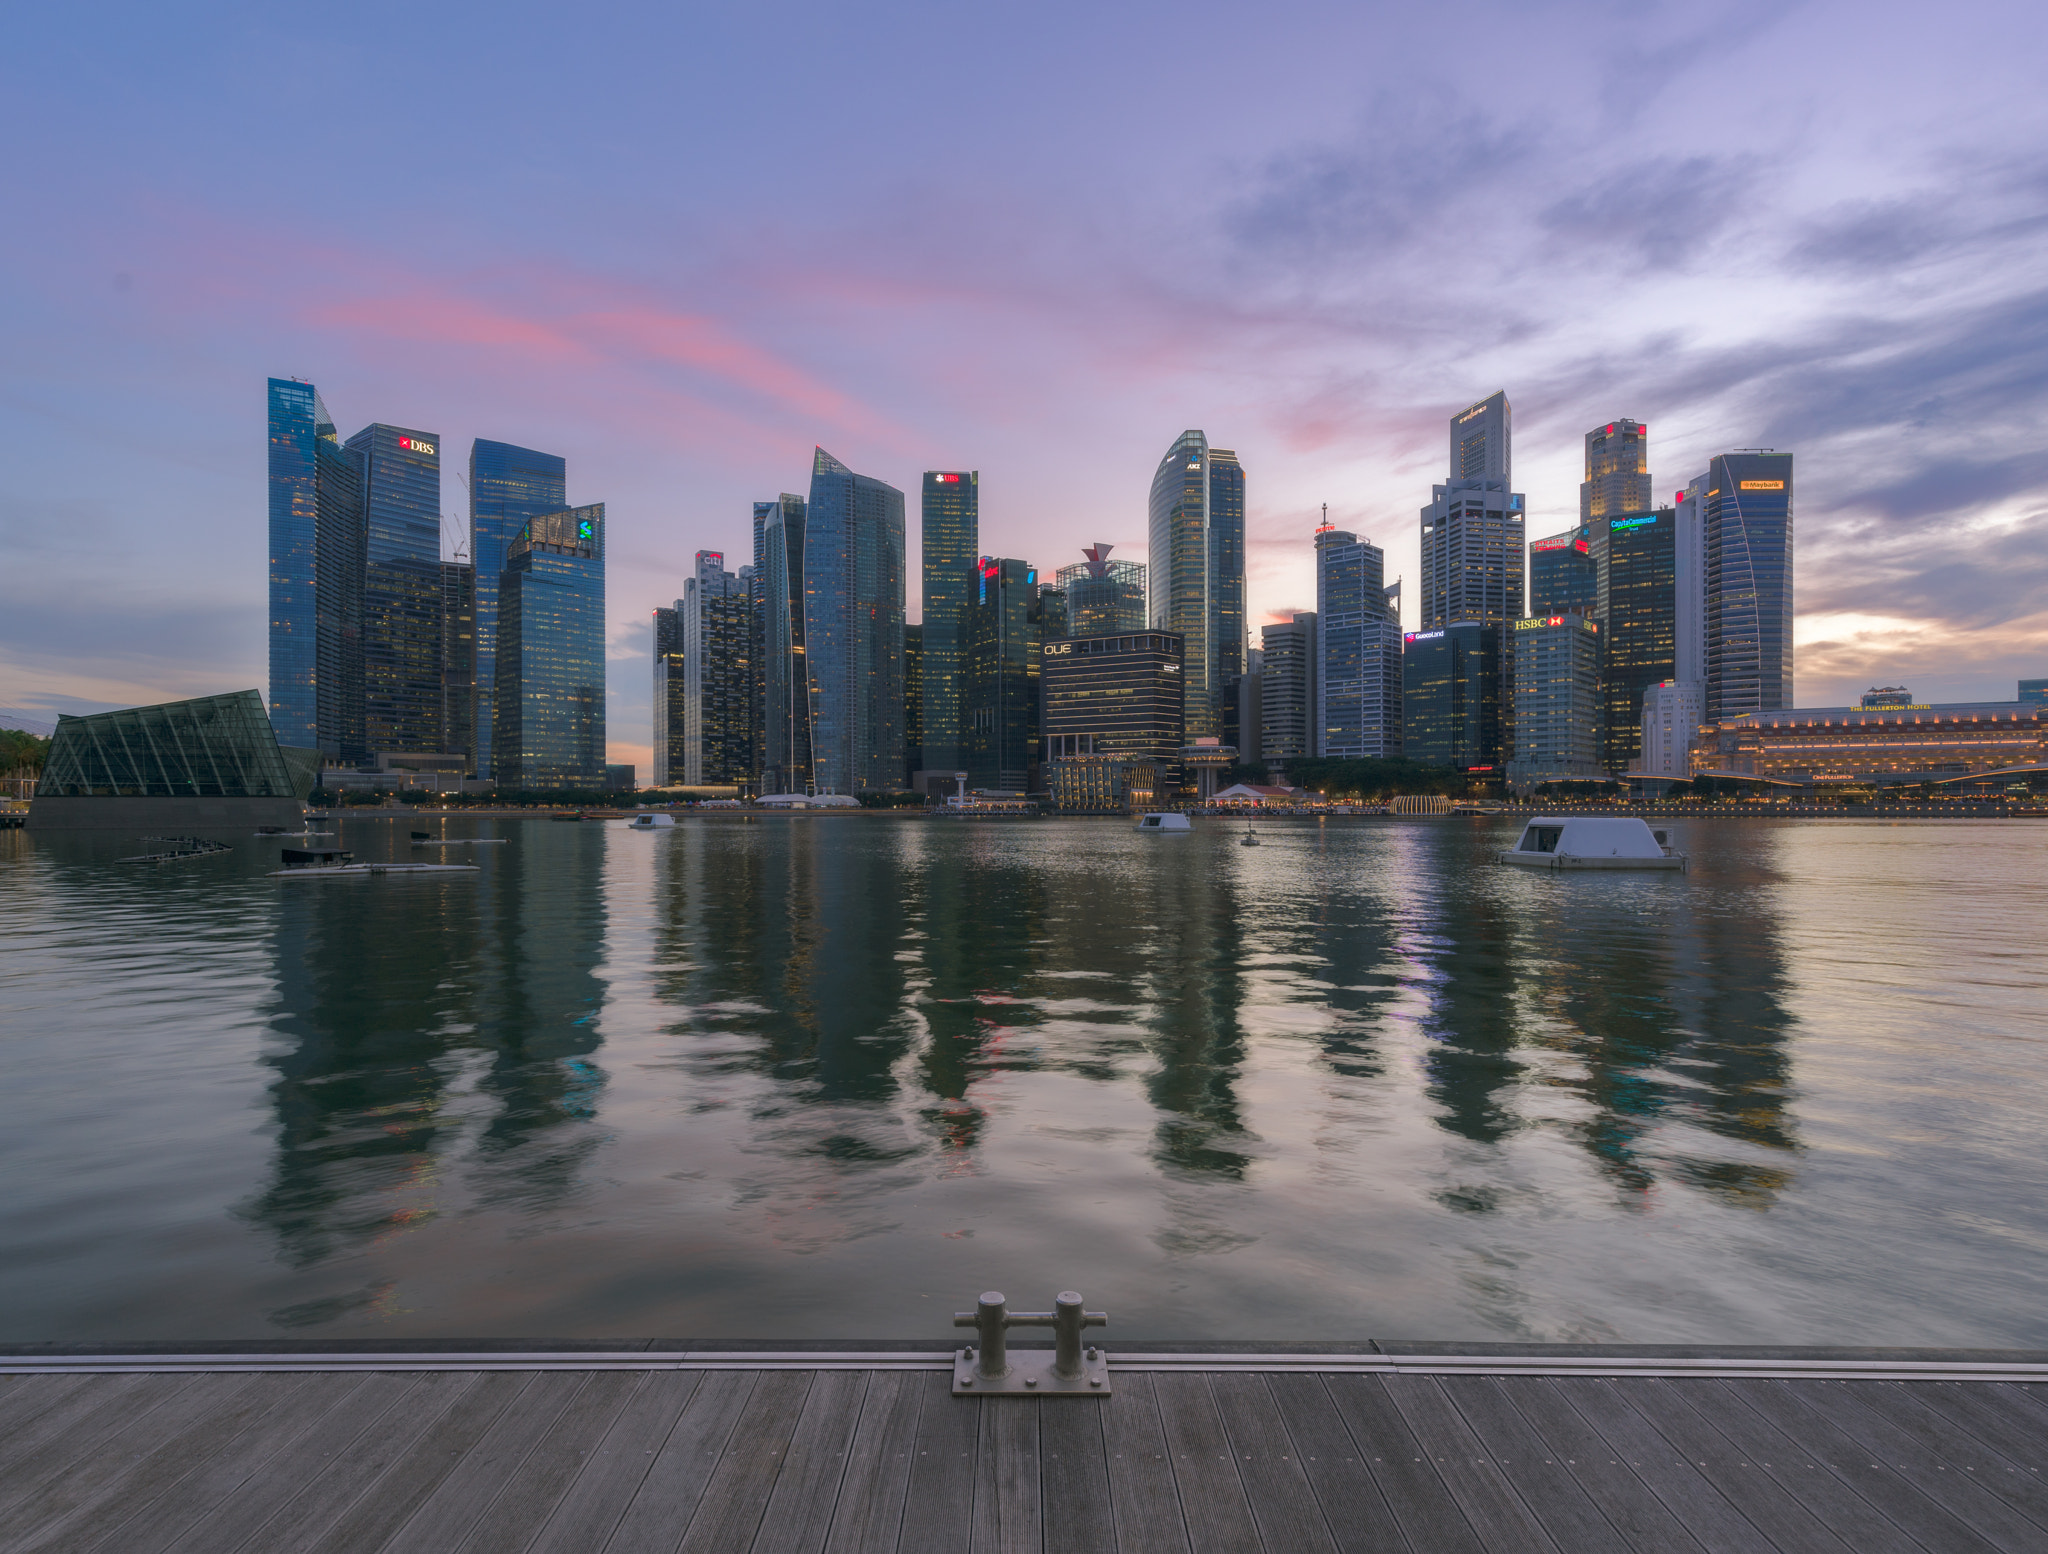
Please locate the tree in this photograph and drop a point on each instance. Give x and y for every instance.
(22, 754)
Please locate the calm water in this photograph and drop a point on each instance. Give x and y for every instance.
(830, 1076)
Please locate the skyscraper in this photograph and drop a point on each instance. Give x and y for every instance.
(669, 684)
(1557, 699)
(401, 588)
(316, 577)
(1671, 721)
(1451, 701)
(1103, 596)
(913, 702)
(1004, 638)
(1748, 539)
(1114, 719)
(1617, 471)
(853, 628)
(458, 661)
(716, 615)
(507, 486)
(1195, 531)
(1358, 651)
(1287, 689)
(1637, 558)
(1562, 577)
(550, 717)
(951, 519)
(784, 694)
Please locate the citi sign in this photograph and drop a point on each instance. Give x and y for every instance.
(415, 445)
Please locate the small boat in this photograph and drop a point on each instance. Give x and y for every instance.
(1592, 842)
(650, 822)
(1165, 822)
(1249, 839)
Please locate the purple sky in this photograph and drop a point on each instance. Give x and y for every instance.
(682, 244)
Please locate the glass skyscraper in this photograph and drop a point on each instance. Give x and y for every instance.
(458, 661)
(1472, 538)
(1358, 651)
(1557, 699)
(716, 613)
(1003, 642)
(507, 486)
(1637, 556)
(1287, 689)
(1748, 537)
(1103, 596)
(1114, 718)
(853, 628)
(1451, 696)
(1195, 532)
(668, 695)
(401, 587)
(1563, 579)
(550, 722)
(951, 532)
(784, 692)
(316, 577)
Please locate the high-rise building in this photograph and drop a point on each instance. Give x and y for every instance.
(1358, 651)
(1689, 583)
(951, 533)
(458, 661)
(1474, 555)
(669, 685)
(1748, 538)
(316, 577)
(1557, 699)
(1115, 718)
(1637, 558)
(1004, 636)
(913, 702)
(783, 690)
(1287, 689)
(716, 615)
(1195, 530)
(550, 713)
(1245, 706)
(1617, 471)
(1451, 701)
(1671, 722)
(507, 486)
(2034, 692)
(1562, 577)
(1104, 597)
(401, 588)
(853, 628)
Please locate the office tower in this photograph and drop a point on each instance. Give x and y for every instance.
(1617, 472)
(1104, 597)
(1671, 722)
(1004, 639)
(669, 683)
(1689, 583)
(1451, 701)
(2033, 692)
(853, 628)
(1287, 711)
(1748, 539)
(1245, 732)
(913, 702)
(549, 718)
(1358, 651)
(316, 577)
(1115, 718)
(401, 588)
(1473, 554)
(1637, 558)
(1562, 577)
(1557, 699)
(951, 540)
(1195, 529)
(716, 615)
(458, 661)
(783, 692)
(507, 486)
(1883, 698)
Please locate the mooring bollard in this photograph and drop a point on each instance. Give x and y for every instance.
(1066, 1370)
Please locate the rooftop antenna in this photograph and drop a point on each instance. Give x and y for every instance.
(1325, 529)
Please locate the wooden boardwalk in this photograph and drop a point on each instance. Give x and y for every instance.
(654, 1461)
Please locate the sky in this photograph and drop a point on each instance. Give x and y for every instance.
(684, 244)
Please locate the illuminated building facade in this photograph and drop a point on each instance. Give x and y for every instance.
(1451, 696)
(1562, 577)
(1104, 597)
(507, 486)
(951, 539)
(1747, 535)
(1472, 530)
(1820, 745)
(1636, 558)
(1287, 688)
(1882, 697)
(1195, 533)
(1617, 471)
(853, 629)
(913, 701)
(1115, 719)
(458, 662)
(2034, 692)
(402, 683)
(782, 691)
(316, 577)
(1004, 638)
(1357, 699)
(668, 696)
(1557, 699)
(716, 618)
(550, 713)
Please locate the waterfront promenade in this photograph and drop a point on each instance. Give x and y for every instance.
(651, 1447)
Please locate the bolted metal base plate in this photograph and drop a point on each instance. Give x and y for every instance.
(1031, 1376)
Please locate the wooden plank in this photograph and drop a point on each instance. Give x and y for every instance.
(236, 1519)
(299, 1405)
(1430, 1517)
(24, 1399)
(1988, 1413)
(800, 1506)
(159, 1448)
(612, 1474)
(1356, 1511)
(1778, 1515)
(1212, 1495)
(455, 1504)
(1495, 1512)
(1269, 1466)
(938, 1509)
(1574, 1447)
(1006, 1479)
(512, 1519)
(1811, 1432)
(392, 1500)
(729, 1512)
(1075, 1492)
(1143, 1492)
(1934, 1450)
(72, 1428)
(668, 1495)
(869, 1517)
(1549, 1488)
(1631, 1441)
